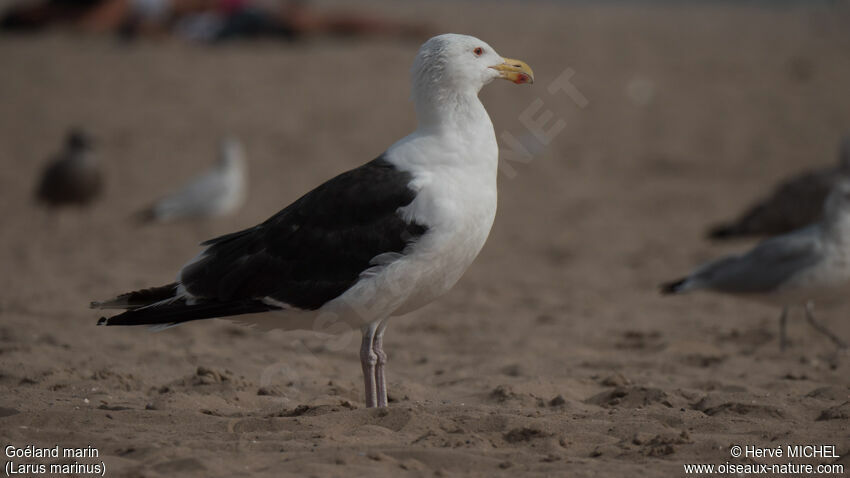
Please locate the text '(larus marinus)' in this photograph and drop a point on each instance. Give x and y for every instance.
(807, 266)
(378, 241)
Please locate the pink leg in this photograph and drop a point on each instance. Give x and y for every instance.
(368, 360)
(380, 380)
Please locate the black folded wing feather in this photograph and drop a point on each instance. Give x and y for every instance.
(316, 248)
(304, 256)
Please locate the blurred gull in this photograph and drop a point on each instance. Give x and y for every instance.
(641, 90)
(795, 203)
(799, 268)
(73, 176)
(217, 192)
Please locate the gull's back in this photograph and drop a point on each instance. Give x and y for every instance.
(795, 203)
(767, 268)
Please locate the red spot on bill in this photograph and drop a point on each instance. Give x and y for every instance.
(522, 78)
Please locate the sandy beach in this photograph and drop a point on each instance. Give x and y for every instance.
(553, 356)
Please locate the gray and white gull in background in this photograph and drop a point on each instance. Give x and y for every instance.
(795, 203)
(73, 176)
(807, 266)
(378, 241)
(217, 192)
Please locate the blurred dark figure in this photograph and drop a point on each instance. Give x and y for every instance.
(795, 203)
(72, 177)
(294, 20)
(205, 20)
(30, 16)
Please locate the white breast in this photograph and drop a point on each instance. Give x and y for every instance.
(455, 184)
(826, 282)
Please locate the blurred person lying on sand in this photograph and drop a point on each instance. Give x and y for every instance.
(206, 20)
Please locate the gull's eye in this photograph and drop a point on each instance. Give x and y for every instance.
(478, 51)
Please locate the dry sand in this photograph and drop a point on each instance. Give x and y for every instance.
(553, 356)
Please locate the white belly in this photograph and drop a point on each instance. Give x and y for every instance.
(825, 283)
(459, 213)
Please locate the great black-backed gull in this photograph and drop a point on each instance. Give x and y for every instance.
(802, 267)
(795, 203)
(216, 192)
(73, 176)
(378, 241)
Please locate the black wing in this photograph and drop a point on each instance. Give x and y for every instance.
(796, 203)
(316, 248)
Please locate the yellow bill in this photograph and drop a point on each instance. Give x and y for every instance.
(516, 71)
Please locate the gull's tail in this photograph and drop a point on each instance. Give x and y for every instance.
(676, 286)
(727, 231)
(167, 306)
(139, 298)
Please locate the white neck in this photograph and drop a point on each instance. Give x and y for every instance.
(454, 133)
(449, 106)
